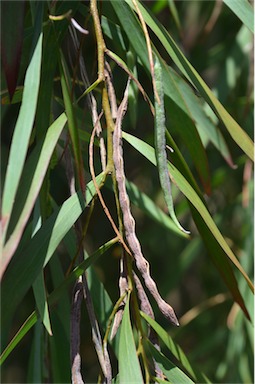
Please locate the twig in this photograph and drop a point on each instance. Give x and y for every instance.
(101, 351)
(90, 99)
(99, 38)
(123, 288)
(106, 210)
(148, 43)
(75, 334)
(111, 92)
(130, 74)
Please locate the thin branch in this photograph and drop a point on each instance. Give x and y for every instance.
(75, 334)
(101, 351)
(99, 38)
(106, 210)
(149, 49)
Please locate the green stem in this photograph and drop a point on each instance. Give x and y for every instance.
(110, 129)
(99, 37)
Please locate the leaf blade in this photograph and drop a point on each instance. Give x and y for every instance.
(243, 10)
(129, 367)
(49, 144)
(23, 269)
(22, 133)
(192, 196)
(236, 132)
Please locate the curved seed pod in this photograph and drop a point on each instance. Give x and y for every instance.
(128, 220)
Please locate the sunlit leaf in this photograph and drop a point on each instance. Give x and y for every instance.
(48, 146)
(23, 269)
(54, 297)
(243, 10)
(171, 371)
(236, 132)
(22, 132)
(189, 192)
(176, 350)
(129, 367)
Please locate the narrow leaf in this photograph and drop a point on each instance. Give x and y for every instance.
(236, 132)
(72, 124)
(173, 373)
(49, 144)
(54, 297)
(22, 132)
(188, 128)
(23, 269)
(142, 201)
(243, 10)
(41, 301)
(38, 285)
(192, 196)
(176, 350)
(160, 145)
(129, 367)
(26, 326)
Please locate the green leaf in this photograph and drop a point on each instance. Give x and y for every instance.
(142, 201)
(172, 373)
(38, 285)
(21, 136)
(27, 325)
(49, 144)
(54, 297)
(192, 196)
(160, 144)
(23, 269)
(71, 117)
(41, 301)
(136, 38)
(243, 10)
(236, 132)
(129, 367)
(176, 350)
(194, 104)
(60, 350)
(36, 358)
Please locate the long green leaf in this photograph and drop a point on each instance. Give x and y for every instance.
(236, 132)
(187, 129)
(54, 297)
(142, 201)
(26, 326)
(172, 373)
(49, 144)
(192, 196)
(72, 124)
(41, 301)
(24, 268)
(176, 350)
(36, 358)
(129, 367)
(40, 293)
(206, 128)
(22, 132)
(160, 145)
(243, 10)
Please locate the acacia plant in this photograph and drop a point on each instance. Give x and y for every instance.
(108, 122)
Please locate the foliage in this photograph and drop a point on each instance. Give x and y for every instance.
(72, 163)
